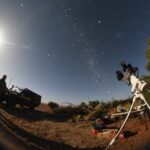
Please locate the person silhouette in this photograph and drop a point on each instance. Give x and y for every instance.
(3, 87)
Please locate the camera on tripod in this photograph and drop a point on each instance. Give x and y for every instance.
(129, 75)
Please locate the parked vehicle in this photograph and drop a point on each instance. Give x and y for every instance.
(24, 97)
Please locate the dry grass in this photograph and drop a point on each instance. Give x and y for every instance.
(77, 135)
(43, 123)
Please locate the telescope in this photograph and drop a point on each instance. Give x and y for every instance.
(129, 75)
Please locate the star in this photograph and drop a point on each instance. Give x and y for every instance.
(81, 34)
(21, 4)
(99, 21)
(103, 53)
(96, 80)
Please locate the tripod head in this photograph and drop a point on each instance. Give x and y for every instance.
(129, 75)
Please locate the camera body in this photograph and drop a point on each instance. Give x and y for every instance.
(129, 75)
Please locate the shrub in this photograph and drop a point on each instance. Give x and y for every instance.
(71, 111)
(147, 96)
(83, 105)
(53, 105)
(95, 114)
(63, 109)
(93, 104)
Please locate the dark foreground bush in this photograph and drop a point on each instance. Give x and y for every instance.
(53, 105)
(95, 114)
(71, 111)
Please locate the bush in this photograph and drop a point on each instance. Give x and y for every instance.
(147, 96)
(83, 105)
(95, 114)
(64, 110)
(93, 104)
(79, 111)
(53, 105)
(71, 111)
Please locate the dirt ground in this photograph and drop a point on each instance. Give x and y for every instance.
(50, 131)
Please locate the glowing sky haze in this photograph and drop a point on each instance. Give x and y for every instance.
(69, 50)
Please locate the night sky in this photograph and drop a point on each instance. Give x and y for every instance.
(69, 50)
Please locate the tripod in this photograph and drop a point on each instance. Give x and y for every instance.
(137, 88)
